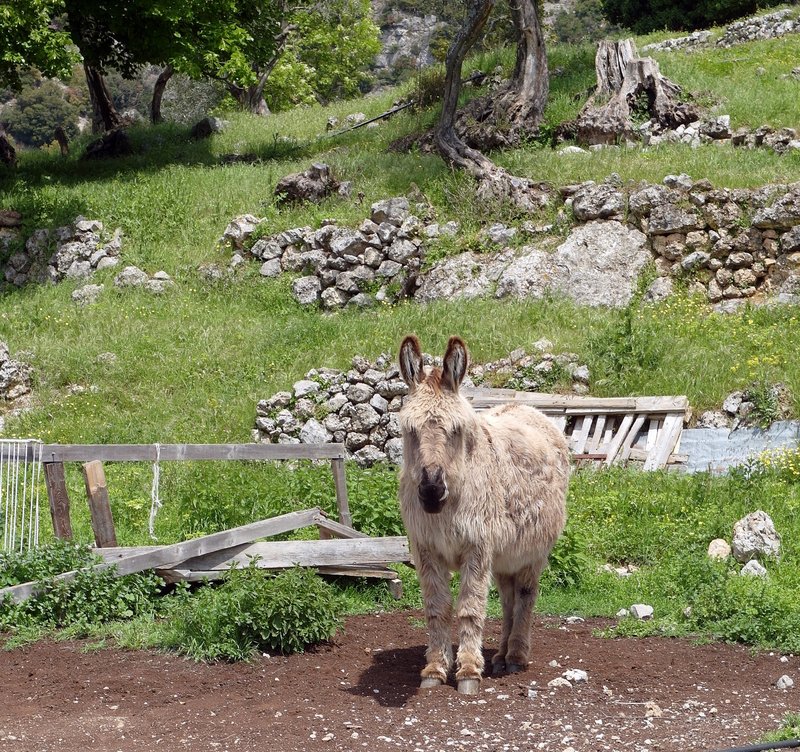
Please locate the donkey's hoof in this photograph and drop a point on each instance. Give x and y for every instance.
(468, 686)
(430, 681)
(514, 668)
(498, 669)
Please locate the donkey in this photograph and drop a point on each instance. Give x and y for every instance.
(481, 494)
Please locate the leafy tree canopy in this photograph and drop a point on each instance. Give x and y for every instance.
(32, 36)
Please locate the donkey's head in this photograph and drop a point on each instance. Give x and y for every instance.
(435, 420)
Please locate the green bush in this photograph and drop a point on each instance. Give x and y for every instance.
(254, 610)
(92, 598)
(32, 120)
(649, 15)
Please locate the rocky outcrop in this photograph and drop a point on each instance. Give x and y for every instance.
(72, 252)
(359, 408)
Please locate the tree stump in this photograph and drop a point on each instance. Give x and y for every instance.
(630, 91)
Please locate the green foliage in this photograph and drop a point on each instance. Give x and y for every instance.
(789, 729)
(646, 15)
(326, 57)
(253, 610)
(37, 111)
(766, 407)
(373, 500)
(30, 39)
(583, 22)
(569, 562)
(92, 598)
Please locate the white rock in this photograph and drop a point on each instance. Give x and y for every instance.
(313, 432)
(753, 569)
(642, 611)
(784, 682)
(622, 613)
(576, 675)
(559, 681)
(719, 549)
(304, 387)
(755, 535)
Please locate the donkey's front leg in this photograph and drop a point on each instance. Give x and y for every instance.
(471, 614)
(434, 580)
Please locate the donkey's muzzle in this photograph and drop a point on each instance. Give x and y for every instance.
(432, 490)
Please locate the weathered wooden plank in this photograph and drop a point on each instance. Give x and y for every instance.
(337, 529)
(482, 397)
(627, 444)
(619, 437)
(667, 441)
(308, 553)
(340, 483)
(599, 427)
(58, 496)
(171, 555)
(179, 574)
(581, 434)
(641, 455)
(169, 452)
(99, 504)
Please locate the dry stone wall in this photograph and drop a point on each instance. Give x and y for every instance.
(730, 245)
(75, 251)
(359, 408)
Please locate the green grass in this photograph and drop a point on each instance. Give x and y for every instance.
(191, 365)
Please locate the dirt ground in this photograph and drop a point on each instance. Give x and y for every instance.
(360, 692)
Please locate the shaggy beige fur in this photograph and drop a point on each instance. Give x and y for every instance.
(481, 494)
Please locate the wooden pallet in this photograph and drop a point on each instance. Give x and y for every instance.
(607, 431)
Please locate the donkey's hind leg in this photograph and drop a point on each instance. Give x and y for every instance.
(434, 579)
(526, 589)
(505, 586)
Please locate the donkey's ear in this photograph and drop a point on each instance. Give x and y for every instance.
(411, 360)
(454, 367)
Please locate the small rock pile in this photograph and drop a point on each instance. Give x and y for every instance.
(130, 276)
(695, 39)
(755, 538)
(359, 408)
(375, 263)
(72, 252)
(739, 407)
(15, 379)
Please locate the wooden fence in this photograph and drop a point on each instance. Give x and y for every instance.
(341, 549)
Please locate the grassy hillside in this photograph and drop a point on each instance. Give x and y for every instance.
(191, 364)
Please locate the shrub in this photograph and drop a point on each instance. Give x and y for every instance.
(32, 120)
(254, 610)
(93, 597)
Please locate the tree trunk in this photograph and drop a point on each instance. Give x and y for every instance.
(8, 154)
(158, 94)
(530, 85)
(452, 148)
(105, 115)
(628, 87)
(63, 142)
(251, 98)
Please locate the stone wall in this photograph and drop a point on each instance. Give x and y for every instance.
(768, 26)
(359, 408)
(728, 244)
(72, 252)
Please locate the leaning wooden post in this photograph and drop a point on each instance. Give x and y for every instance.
(99, 505)
(59, 499)
(337, 466)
